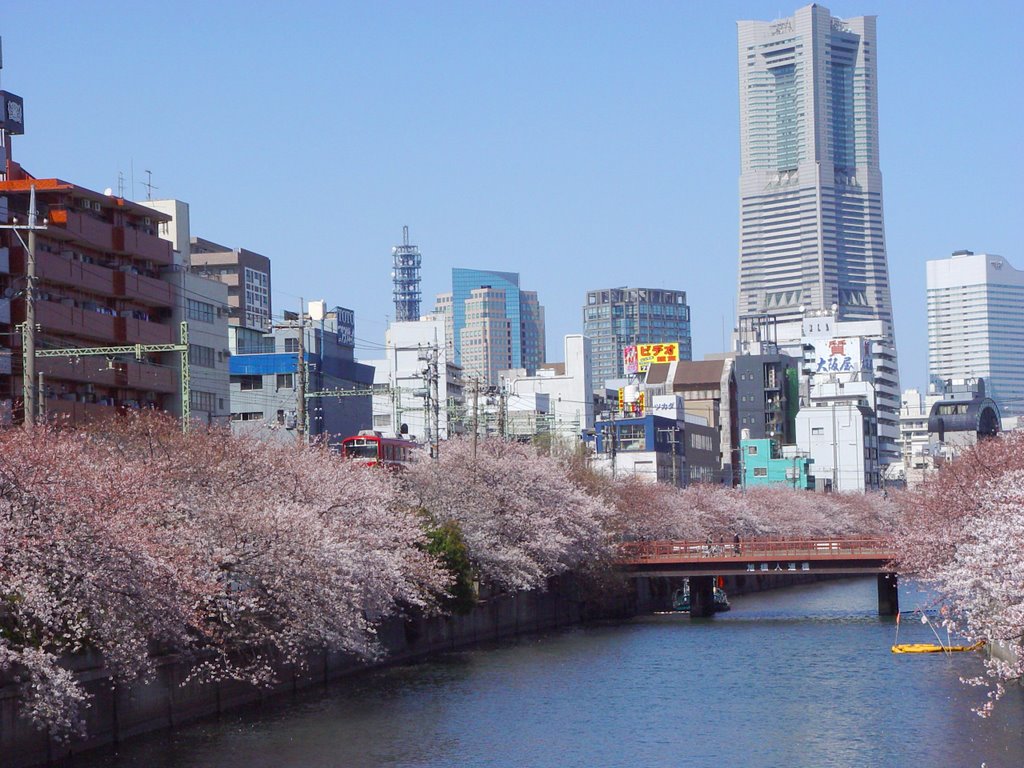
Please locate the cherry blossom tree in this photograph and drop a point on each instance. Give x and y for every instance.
(963, 534)
(131, 539)
(521, 516)
(654, 511)
(80, 568)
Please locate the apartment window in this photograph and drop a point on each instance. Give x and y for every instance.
(201, 311)
(752, 450)
(201, 401)
(247, 383)
(291, 345)
(201, 356)
(760, 471)
(247, 416)
(817, 430)
(285, 381)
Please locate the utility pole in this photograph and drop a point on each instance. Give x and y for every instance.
(435, 396)
(502, 416)
(673, 441)
(609, 436)
(300, 373)
(476, 413)
(28, 329)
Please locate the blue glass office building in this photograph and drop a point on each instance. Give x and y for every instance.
(525, 317)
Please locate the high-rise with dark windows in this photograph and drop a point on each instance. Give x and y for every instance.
(615, 318)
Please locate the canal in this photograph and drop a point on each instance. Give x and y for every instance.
(796, 677)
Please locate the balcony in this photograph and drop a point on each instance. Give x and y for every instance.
(60, 320)
(79, 413)
(132, 331)
(85, 227)
(91, 278)
(97, 371)
(144, 290)
(99, 328)
(100, 280)
(142, 245)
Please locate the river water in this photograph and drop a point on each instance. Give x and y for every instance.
(795, 677)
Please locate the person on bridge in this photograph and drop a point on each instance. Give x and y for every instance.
(736, 543)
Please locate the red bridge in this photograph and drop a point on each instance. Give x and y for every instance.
(702, 561)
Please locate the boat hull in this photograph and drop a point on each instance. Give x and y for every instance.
(935, 648)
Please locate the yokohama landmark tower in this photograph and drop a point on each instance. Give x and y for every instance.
(811, 232)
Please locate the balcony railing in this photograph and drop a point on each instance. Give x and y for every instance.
(84, 226)
(97, 371)
(143, 245)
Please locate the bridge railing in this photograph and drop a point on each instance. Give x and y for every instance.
(770, 548)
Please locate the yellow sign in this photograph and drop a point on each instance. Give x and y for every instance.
(647, 354)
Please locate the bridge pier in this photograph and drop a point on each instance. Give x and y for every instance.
(702, 596)
(888, 594)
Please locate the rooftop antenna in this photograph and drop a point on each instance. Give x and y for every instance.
(120, 184)
(149, 185)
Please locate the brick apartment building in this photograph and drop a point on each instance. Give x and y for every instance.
(99, 283)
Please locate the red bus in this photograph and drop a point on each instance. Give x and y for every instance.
(372, 448)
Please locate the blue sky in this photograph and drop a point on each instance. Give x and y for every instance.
(583, 145)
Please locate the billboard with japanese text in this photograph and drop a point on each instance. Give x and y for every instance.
(841, 356)
(637, 359)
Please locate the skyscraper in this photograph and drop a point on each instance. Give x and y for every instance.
(811, 232)
(976, 325)
(491, 322)
(614, 318)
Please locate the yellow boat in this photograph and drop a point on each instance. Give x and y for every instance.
(935, 647)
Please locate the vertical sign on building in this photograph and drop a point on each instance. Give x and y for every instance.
(630, 364)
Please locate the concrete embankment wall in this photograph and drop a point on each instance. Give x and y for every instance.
(166, 701)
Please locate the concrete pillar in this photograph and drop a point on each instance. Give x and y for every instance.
(888, 594)
(702, 596)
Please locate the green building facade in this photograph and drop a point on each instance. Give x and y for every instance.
(766, 463)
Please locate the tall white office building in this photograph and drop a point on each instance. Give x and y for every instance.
(976, 325)
(811, 232)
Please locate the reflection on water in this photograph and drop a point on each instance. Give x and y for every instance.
(796, 677)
